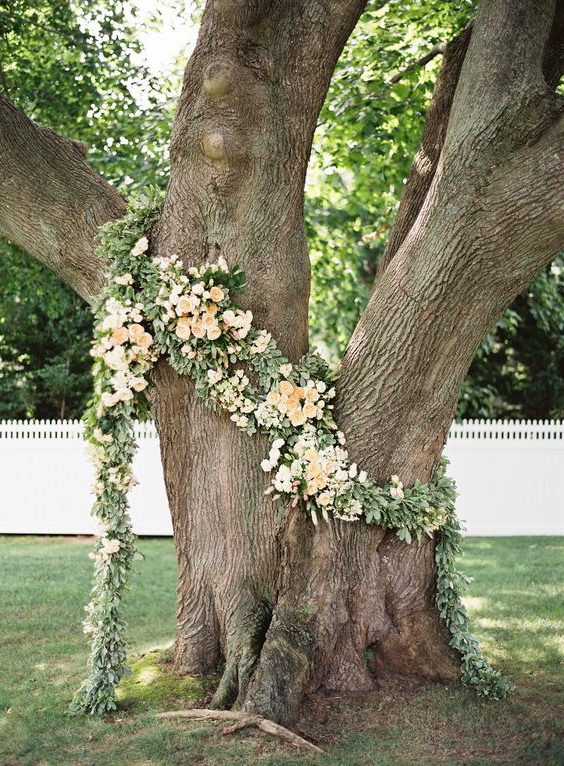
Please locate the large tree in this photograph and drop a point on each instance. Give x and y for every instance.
(287, 606)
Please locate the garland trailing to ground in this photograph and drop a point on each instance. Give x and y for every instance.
(152, 307)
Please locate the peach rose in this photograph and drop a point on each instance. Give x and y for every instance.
(120, 335)
(183, 328)
(217, 294)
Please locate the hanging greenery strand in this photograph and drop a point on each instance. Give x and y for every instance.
(152, 307)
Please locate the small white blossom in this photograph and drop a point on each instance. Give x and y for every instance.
(285, 369)
(123, 279)
(140, 247)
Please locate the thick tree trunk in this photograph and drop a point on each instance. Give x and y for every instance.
(288, 607)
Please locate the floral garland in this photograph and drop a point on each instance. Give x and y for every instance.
(150, 308)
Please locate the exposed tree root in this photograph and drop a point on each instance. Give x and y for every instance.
(242, 721)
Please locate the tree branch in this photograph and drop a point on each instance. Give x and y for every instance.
(51, 202)
(502, 79)
(553, 64)
(435, 51)
(425, 162)
(492, 217)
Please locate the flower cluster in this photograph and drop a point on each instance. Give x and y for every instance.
(296, 404)
(321, 476)
(231, 393)
(125, 349)
(196, 305)
(152, 307)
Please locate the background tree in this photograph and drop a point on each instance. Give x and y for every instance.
(368, 132)
(370, 128)
(74, 70)
(287, 607)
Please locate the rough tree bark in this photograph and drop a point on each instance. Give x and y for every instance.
(288, 607)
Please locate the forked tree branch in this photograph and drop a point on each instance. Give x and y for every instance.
(427, 157)
(51, 201)
(492, 217)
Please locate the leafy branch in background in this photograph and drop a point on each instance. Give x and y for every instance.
(75, 69)
(72, 68)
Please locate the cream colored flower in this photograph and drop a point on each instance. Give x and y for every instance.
(297, 418)
(140, 247)
(185, 305)
(108, 399)
(123, 279)
(135, 331)
(115, 359)
(183, 328)
(310, 410)
(285, 369)
(197, 330)
(120, 335)
(324, 498)
(111, 321)
(109, 546)
(138, 384)
(217, 294)
(145, 340)
(286, 388)
(313, 470)
(292, 404)
(273, 397)
(213, 333)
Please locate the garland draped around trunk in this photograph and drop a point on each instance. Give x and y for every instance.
(152, 307)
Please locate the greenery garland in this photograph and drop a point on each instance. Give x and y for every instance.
(151, 307)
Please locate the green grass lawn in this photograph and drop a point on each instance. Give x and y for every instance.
(516, 601)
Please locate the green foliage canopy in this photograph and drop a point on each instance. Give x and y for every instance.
(72, 68)
(75, 68)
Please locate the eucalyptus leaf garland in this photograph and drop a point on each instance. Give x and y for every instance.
(152, 307)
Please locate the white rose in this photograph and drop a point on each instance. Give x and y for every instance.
(285, 369)
(140, 246)
(123, 279)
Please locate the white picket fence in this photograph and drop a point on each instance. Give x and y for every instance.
(510, 475)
